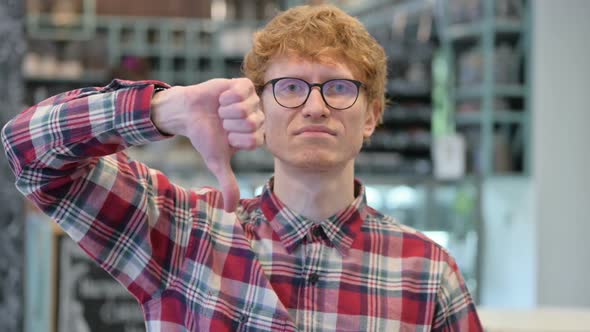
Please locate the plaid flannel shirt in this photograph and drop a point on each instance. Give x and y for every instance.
(194, 267)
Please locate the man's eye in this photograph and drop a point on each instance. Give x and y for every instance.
(339, 88)
(292, 88)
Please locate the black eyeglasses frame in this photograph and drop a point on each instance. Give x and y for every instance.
(358, 84)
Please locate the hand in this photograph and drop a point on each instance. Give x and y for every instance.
(219, 117)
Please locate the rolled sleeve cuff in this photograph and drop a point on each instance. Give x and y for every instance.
(133, 104)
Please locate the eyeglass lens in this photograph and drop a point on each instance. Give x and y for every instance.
(293, 92)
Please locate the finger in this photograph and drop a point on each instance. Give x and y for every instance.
(236, 111)
(241, 109)
(240, 125)
(230, 191)
(245, 141)
(247, 125)
(240, 90)
(228, 183)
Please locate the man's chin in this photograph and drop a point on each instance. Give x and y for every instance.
(313, 158)
(316, 165)
(314, 161)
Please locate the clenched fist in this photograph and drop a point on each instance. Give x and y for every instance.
(219, 117)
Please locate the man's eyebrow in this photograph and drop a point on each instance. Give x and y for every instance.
(322, 78)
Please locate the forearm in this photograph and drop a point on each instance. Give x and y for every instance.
(63, 152)
(68, 130)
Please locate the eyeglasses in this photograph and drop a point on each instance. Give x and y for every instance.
(338, 94)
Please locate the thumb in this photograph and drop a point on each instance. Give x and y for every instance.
(228, 183)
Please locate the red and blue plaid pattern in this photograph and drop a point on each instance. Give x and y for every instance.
(194, 267)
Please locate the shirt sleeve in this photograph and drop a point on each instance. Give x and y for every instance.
(455, 310)
(67, 153)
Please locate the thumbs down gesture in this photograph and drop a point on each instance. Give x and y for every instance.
(219, 117)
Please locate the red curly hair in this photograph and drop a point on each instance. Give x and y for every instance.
(317, 33)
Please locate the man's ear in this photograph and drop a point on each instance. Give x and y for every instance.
(372, 118)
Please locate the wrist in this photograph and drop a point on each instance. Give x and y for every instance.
(167, 118)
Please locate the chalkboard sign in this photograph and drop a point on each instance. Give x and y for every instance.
(90, 300)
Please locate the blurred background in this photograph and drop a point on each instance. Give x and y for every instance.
(484, 146)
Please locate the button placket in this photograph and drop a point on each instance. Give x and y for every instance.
(317, 231)
(313, 251)
(313, 278)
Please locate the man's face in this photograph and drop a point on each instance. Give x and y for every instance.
(315, 136)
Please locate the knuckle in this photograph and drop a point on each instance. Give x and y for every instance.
(241, 94)
(248, 125)
(246, 87)
(251, 143)
(259, 139)
(261, 116)
(245, 81)
(240, 111)
(252, 123)
(255, 101)
(251, 88)
(244, 110)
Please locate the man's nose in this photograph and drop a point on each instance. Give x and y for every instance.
(315, 105)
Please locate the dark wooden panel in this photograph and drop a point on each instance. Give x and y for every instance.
(12, 50)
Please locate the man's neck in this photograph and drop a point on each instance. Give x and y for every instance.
(315, 195)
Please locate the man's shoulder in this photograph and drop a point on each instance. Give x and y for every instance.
(414, 242)
(377, 221)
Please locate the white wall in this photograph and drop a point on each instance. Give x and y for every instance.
(509, 271)
(561, 151)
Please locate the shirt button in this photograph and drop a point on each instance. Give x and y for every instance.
(318, 231)
(243, 318)
(313, 278)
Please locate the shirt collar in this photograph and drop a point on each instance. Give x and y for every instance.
(341, 229)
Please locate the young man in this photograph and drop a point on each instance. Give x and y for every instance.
(307, 254)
